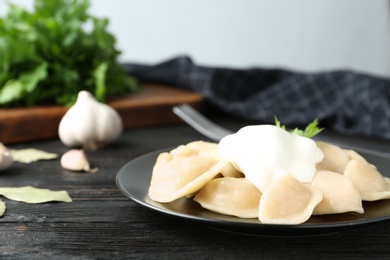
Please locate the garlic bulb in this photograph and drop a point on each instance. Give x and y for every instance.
(89, 123)
(6, 159)
(76, 160)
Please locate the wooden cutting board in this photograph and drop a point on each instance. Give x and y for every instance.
(150, 106)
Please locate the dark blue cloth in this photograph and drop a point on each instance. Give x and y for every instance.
(344, 101)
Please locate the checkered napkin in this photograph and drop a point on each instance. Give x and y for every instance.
(344, 101)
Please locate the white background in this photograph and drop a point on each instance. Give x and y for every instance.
(303, 35)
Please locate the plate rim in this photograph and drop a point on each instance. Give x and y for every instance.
(309, 228)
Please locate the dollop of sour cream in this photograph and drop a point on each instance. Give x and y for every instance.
(264, 152)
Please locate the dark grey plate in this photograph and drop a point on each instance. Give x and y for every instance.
(134, 180)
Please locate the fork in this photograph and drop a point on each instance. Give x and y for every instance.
(200, 123)
(215, 132)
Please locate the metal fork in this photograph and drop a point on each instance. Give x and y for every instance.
(215, 132)
(200, 123)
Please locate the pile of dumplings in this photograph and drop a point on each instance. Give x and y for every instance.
(342, 181)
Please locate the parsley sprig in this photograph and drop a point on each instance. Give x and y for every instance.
(310, 131)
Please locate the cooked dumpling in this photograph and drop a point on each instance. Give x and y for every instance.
(339, 194)
(192, 149)
(335, 158)
(352, 154)
(230, 196)
(175, 177)
(371, 184)
(211, 150)
(230, 171)
(196, 148)
(183, 150)
(288, 201)
(202, 145)
(355, 155)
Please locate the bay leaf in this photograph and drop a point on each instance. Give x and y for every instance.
(30, 155)
(29, 194)
(2, 208)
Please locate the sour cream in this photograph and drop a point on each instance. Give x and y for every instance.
(264, 152)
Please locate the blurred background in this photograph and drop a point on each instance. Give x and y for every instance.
(300, 35)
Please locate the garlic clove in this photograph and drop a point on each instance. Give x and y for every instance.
(76, 160)
(6, 159)
(89, 123)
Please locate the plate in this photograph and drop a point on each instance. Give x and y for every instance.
(133, 180)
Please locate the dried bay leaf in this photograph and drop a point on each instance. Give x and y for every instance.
(29, 194)
(30, 155)
(2, 208)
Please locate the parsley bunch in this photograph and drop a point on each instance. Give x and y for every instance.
(48, 55)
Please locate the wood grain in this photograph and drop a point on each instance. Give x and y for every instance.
(101, 223)
(150, 106)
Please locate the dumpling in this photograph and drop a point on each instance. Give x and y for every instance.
(355, 155)
(194, 149)
(209, 149)
(175, 177)
(288, 201)
(202, 145)
(371, 184)
(352, 154)
(335, 158)
(339, 194)
(230, 171)
(230, 196)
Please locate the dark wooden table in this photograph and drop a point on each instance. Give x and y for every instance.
(101, 223)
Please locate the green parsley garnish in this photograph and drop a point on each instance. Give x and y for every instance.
(310, 131)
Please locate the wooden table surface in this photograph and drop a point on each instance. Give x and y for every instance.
(101, 223)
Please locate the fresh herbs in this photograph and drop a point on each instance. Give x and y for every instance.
(48, 55)
(311, 129)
